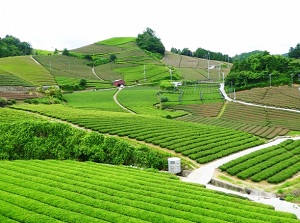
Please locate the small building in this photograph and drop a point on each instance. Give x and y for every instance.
(176, 84)
(119, 83)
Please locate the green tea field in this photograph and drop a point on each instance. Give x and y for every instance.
(69, 191)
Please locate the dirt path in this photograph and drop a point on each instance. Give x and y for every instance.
(35, 60)
(116, 100)
(94, 72)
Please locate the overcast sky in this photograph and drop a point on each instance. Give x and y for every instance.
(226, 26)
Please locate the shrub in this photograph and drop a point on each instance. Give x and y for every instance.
(3, 102)
(46, 140)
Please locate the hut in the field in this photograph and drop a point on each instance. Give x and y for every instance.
(119, 83)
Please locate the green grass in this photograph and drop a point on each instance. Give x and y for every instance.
(102, 100)
(67, 70)
(23, 67)
(193, 94)
(129, 64)
(42, 52)
(117, 41)
(69, 191)
(142, 100)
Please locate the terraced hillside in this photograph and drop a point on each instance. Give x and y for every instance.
(282, 96)
(132, 64)
(69, 191)
(202, 143)
(262, 122)
(69, 70)
(274, 164)
(23, 71)
(192, 68)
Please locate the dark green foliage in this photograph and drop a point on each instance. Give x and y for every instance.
(149, 41)
(45, 140)
(65, 52)
(187, 52)
(202, 53)
(12, 46)
(255, 71)
(82, 83)
(244, 56)
(294, 52)
(3, 102)
(112, 58)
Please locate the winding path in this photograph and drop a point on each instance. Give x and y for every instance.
(118, 103)
(252, 104)
(94, 72)
(204, 174)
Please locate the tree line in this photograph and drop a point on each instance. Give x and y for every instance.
(12, 46)
(263, 69)
(202, 53)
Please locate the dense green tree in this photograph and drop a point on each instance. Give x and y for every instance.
(12, 46)
(255, 71)
(174, 50)
(65, 52)
(244, 56)
(149, 41)
(187, 52)
(294, 52)
(112, 58)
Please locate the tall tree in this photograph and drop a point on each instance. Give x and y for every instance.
(294, 52)
(149, 41)
(12, 46)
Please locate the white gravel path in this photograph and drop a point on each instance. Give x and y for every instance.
(116, 100)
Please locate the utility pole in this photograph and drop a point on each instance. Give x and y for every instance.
(208, 57)
(219, 73)
(50, 65)
(292, 75)
(270, 79)
(170, 73)
(144, 73)
(234, 96)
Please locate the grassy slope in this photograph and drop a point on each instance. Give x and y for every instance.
(130, 61)
(142, 99)
(192, 68)
(102, 100)
(47, 191)
(25, 68)
(67, 70)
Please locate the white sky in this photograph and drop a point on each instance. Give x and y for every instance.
(226, 26)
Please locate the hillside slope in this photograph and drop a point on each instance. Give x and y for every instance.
(23, 71)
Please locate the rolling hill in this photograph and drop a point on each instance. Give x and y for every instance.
(191, 121)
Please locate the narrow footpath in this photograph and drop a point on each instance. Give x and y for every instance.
(204, 174)
(94, 72)
(118, 103)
